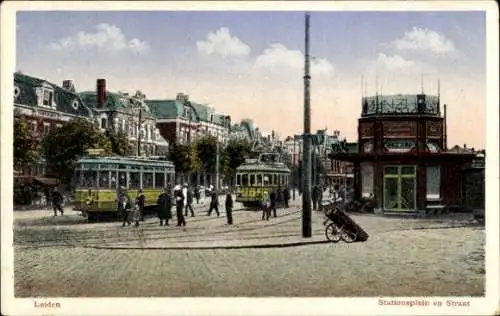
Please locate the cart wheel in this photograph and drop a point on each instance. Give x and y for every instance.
(348, 236)
(332, 233)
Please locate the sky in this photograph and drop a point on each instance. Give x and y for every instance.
(249, 64)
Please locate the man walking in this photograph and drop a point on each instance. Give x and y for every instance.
(272, 199)
(179, 205)
(286, 196)
(164, 207)
(315, 197)
(189, 202)
(214, 203)
(57, 200)
(124, 208)
(229, 209)
(140, 201)
(266, 206)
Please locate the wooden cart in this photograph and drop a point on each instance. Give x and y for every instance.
(339, 226)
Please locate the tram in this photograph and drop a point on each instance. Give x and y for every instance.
(99, 179)
(255, 177)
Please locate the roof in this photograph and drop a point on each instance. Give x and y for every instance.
(165, 109)
(114, 101)
(399, 104)
(66, 101)
(126, 160)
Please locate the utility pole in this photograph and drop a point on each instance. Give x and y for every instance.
(139, 130)
(216, 165)
(295, 169)
(306, 195)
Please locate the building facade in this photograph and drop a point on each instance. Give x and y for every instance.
(182, 121)
(45, 106)
(402, 161)
(128, 114)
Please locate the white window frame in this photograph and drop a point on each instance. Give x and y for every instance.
(105, 120)
(50, 92)
(433, 185)
(46, 131)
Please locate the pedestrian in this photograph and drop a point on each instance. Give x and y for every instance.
(286, 196)
(124, 208)
(179, 205)
(189, 202)
(164, 207)
(197, 194)
(229, 208)
(139, 202)
(266, 206)
(320, 198)
(214, 203)
(272, 199)
(314, 197)
(57, 200)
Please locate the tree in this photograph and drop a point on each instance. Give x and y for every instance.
(119, 143)
(180, 154)
(26, 149)
(234, 155)
(206, 149)
(62, 147)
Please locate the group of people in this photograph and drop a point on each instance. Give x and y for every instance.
(268, 202)
(181, 197)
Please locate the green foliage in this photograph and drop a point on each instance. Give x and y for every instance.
(206, 149)
(26, 149)
(119, 143)
(64, 146)
(180, 155)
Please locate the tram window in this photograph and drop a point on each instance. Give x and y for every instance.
(147, 180)
(89, 178)
(286, 180)
(238, 179)
(78, 178)
(122, 166)
(104, 178)
(244, 179)
(275, 180)
(259, 179)
(267, 179)
(281, 179)
(159, 179)
(252, 179)
(122, 178)
(103, 166)
(134, 179)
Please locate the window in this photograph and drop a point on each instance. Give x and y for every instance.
(89, 178)
(244, 179)
(147, 180)
(433, 182)
(103, 122)
(252, 179)
(134, 180)
(159, 179)
(259, 179)
(238, 179)
(104, 179)
(46, 128)
(47, 97)
(275, 179)
(267, 179)
(34, 126)
(367, 179)
(58, 125)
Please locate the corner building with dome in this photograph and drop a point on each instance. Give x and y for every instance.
(402, 161)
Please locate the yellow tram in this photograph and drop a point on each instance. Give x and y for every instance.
(255, 177)
(99, 179)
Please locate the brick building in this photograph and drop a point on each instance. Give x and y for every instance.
(182, 120)
(120, 112)
(45, 106)
(402, 159)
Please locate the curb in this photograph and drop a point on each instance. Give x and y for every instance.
(282, 245)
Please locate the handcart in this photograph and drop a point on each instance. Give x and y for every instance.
(339, 226)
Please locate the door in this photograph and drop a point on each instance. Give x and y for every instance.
(399, 188)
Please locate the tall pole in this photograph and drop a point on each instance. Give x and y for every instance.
(295, 170)
(306, 158)
(216, 165)
(139, 125)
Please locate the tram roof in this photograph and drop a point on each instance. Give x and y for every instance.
(275, 167)
(125, 160)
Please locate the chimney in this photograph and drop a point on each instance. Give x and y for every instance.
(101, 93)
(181, 97)
(69, 85)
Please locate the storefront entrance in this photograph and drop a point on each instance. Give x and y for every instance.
(400, 188)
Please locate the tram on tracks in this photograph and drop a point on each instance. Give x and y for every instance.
(100, 179)
(256, 177)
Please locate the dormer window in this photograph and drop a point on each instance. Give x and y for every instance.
(47, 97)
(104, 123)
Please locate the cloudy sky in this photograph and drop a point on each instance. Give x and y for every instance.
(250, 64)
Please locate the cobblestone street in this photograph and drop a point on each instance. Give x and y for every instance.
(65, 256)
